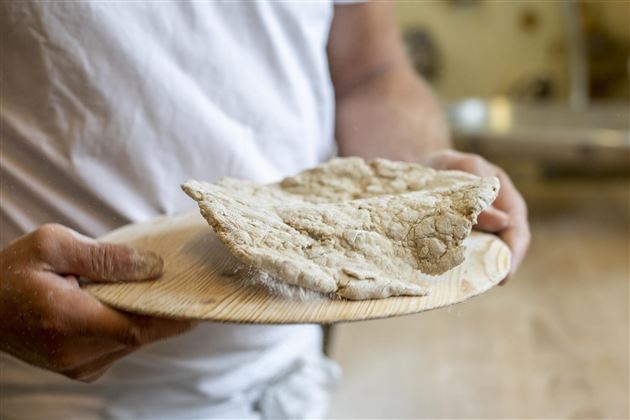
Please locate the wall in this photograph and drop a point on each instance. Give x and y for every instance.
(490, 47)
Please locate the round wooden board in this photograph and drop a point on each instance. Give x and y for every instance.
(197, 283)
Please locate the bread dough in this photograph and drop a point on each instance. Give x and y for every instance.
(359, 229)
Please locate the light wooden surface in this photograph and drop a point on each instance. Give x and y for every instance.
(200, 281)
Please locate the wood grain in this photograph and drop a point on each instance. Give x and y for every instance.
(200, 282)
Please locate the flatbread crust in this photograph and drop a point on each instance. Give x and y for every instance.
(360, 229)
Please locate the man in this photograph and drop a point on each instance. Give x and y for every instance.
(106, 108)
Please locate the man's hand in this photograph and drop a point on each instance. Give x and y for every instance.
(385, 110)
(47, 320)
(507, 217)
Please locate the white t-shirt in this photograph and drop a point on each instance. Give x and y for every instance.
(106, 108)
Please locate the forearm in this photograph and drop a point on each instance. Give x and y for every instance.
(392, 114)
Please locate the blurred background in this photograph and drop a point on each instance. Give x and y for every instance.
(541, 88)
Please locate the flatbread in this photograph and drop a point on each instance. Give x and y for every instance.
(361, 230)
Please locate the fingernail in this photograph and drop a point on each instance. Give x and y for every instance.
(502, 216)
(151, 264)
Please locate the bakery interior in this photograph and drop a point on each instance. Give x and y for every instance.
(542, 88)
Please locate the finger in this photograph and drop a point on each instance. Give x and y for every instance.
(68, 252)
(517, 235)
(509, 199)
(135, 330)
(517, 238)
(492, 220)
(441, 159)
(95, 318)
(93, 370)
(81, 351)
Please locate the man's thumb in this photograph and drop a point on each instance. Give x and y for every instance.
(98, 261)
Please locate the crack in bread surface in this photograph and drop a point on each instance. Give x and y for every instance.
(360, 229)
